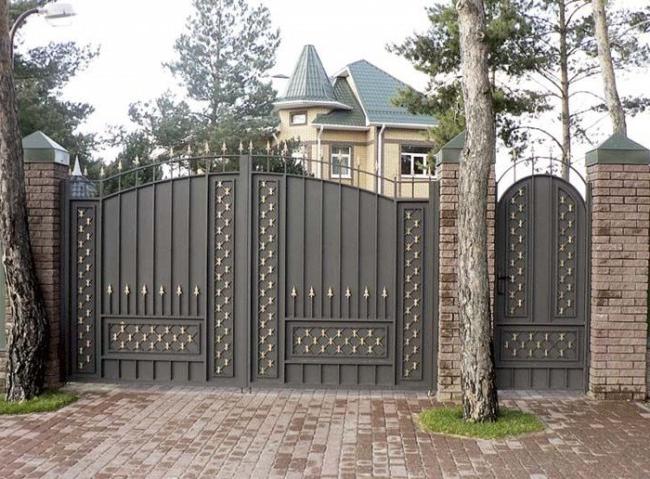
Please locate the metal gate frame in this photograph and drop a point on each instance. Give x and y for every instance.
(534, 172)
(88, 302)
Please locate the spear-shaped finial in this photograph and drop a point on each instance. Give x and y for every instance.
(189, 150)
(224, 148)
(285, 149)
(206, 148)
(250, 147)
(171, 152)
(102, 172)
(119, 165)
(136, 162)
(76, 171)
(241, 147)
(268, 147)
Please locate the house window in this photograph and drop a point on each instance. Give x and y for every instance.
(298, 118)
(341, 161)
(415, 161)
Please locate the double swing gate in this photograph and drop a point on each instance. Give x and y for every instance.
(232, 271)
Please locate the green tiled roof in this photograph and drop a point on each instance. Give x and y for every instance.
(353, 117)
(362, 94)
(309, 81)
(376, 90)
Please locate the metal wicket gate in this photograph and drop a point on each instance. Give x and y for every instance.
(541, 303)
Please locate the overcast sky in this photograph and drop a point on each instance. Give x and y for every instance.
(137, 36)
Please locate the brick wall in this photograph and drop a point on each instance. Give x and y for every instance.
(619, 282)
(43, 185)
(449, 347)
(647, 381)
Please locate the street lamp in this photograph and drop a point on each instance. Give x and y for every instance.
(51, 12)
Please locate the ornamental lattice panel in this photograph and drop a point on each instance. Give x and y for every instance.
(85, 237)
(517, 253)
(567, 238)
(267, 280)
(224, 267)
(412, 301)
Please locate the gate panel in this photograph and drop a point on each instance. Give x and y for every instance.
(541, 303)
(340, 284)
(240, 277)
(153, 322)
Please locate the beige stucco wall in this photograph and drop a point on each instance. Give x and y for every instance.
(304, 132)
(364, 152)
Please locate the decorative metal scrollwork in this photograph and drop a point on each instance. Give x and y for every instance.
(267, 281)
(413, 254)
(517, 253)
(224, 241)
(154, 338)
(567, 231)
(338, 342)
(85, 283)
(539, 345)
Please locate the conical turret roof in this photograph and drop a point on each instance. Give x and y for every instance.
(309, 84)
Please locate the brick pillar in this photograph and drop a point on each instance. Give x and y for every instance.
(449, 348)
(619, 175)
(448, 322)
(46, 167)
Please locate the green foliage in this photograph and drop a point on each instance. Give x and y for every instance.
(523, 38)
(437, 53)
(46, 402)
(41, 74)
(221, 61)
(510, 422)
(629, 49)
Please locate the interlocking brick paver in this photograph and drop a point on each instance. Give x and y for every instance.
(193, 432)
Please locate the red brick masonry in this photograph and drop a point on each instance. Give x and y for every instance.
(619, 280)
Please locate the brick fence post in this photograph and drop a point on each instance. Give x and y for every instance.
(46, 167)
(619, 174)
(449, 346)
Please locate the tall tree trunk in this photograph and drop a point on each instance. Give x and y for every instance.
(477, 372)
(614, 105)
(27, 343)
(564, 84)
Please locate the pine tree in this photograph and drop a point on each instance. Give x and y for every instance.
(437, 53)
(478, 379)
(547, 45)
(27, 341)
(222, 61)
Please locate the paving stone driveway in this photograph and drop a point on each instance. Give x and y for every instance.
(157, 432)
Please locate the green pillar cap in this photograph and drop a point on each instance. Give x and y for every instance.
(618, 150)
(451, 152)
(40, 148)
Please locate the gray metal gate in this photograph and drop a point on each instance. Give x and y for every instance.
(232, 271)
(541, 306)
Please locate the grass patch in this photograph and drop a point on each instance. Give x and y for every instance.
(46, 402)
(449, 420)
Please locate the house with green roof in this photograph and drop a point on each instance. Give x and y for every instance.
(349, 124)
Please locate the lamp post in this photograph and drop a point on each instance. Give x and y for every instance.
(51, 11)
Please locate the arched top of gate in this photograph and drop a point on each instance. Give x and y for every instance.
(530, 167)
(171, 169)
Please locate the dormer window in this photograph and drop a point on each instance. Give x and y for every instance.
(298, 118)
